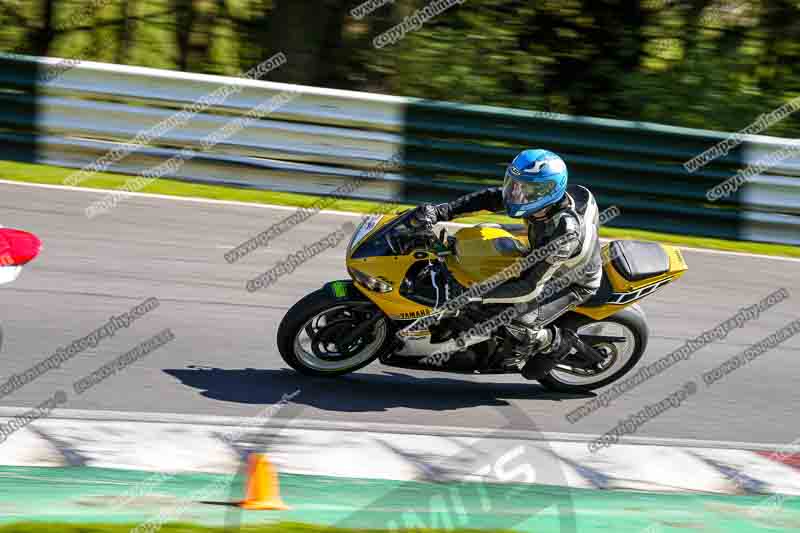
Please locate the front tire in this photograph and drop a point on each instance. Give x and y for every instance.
(629, 323)
(307, 335)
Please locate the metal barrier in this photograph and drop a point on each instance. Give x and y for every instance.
(323, 138)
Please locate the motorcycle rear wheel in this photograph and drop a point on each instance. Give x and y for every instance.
(629, 323)
(307, 335)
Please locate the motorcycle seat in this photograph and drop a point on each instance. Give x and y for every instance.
(638, 260)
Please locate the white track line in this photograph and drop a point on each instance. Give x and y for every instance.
(174, 198)
(324, 211)
(375, 427)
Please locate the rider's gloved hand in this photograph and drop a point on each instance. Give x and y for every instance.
(424, 216)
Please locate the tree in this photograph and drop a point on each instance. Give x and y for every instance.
(310, 34)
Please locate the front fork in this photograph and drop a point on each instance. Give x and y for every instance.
(345, 290)
(364, 328)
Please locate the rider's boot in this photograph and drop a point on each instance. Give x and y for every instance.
(557, 342)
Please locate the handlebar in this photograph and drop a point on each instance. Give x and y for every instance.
(438, 243)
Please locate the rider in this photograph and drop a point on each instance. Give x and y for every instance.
(557, 217)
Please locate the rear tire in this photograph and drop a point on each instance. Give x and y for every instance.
(630, 320)
(319, 305)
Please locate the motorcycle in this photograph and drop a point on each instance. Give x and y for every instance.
(17, 248)
(394, 307)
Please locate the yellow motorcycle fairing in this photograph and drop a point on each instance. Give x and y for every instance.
(624, 292)
(486, 250)
(391, 269)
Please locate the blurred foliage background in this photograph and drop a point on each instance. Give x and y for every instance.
(714, 64)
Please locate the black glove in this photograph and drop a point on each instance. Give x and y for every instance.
(424, 216)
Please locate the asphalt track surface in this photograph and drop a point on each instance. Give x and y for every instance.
(224, 360)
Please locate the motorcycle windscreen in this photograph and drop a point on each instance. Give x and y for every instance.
(17, 247)
(9, 273)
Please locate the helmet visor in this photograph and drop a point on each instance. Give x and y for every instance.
(517, 191)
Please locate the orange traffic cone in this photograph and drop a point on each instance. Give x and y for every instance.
(263, 492)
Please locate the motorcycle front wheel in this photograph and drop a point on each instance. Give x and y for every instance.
(309, 334)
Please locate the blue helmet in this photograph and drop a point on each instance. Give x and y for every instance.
(535, 179)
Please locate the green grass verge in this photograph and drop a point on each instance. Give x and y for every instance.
(33, 173)
(283, 527)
